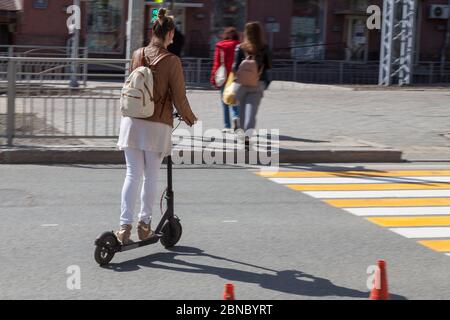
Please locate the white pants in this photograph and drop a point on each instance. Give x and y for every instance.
(140, 164)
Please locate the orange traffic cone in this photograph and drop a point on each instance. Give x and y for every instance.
(228, 294)
(380, 287)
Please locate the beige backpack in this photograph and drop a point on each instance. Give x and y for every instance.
(137, 94)
(248, 72)
(137, 98)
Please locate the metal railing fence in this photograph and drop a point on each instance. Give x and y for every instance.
(36, 100)
(41, 51)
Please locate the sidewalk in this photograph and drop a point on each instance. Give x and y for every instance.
(316, 124)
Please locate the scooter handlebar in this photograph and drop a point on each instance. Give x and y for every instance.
(177, 115)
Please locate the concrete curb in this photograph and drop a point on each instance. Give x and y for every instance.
(111, 156)
(287, 85)
(340, 156)
(290, 85)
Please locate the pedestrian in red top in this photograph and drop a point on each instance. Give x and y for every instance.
(224, 53)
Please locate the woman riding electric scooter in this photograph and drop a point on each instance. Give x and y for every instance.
(147, 141)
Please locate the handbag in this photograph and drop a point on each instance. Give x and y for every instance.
(221, 74)
(229, 93)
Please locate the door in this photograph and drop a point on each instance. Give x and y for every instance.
(357, 39)
(5, 37)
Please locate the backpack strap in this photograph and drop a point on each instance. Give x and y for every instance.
(152, 67)
(141, 57)
(222, 57)
(144, 63)
(158, 60)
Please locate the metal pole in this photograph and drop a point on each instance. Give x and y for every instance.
(11, 117)
(85, 66)
(295, 70)
(446, 43)
(135, 28)
(128, 36)
(385, 76)
(271, 40)
(341, 72)
(199, 70)
(430, 74)
(75, 48)
(408, 25)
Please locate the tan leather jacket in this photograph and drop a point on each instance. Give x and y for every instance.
(169, 87)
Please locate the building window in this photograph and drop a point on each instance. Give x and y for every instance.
(40, 4)
(105, 26)
(307, 29)
(359, 5)
(226, 14)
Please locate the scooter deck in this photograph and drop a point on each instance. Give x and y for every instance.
(151, 240)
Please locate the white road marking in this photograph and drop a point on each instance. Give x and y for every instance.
(229, 221)
(49, 225)
(423, 233)
(418, 232)
(400, 211)
(378, 194)
(339, 180)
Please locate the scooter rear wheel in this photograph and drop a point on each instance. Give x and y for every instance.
(104, 251)
(172, 231)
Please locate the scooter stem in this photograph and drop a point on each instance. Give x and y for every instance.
(169, 174)
(169, 194)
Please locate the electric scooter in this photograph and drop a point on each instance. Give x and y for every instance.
(168, 231)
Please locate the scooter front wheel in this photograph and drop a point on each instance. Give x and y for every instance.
(104, 248)
(171, 231)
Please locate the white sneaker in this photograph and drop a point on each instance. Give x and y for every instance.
(240, 133)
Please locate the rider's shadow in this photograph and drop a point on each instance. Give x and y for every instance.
(286, 281)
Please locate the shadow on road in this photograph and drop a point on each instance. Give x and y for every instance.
(286, 281)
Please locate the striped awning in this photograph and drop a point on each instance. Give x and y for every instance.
(10, 5)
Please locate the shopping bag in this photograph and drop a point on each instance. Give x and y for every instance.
(221, 73)
(229, 93)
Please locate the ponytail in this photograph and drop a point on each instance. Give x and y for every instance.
(163, 25)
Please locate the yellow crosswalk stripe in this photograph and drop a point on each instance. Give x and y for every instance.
(366, 186)
(437, 245)
(394, 173)
(384, 202)
(418, 201)
(428, 221)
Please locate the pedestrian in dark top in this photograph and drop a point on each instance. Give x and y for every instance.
(178, 43)
(249, 98)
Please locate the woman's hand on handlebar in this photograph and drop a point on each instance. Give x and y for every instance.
(190, 122)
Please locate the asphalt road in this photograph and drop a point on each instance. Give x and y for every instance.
(271, 242)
